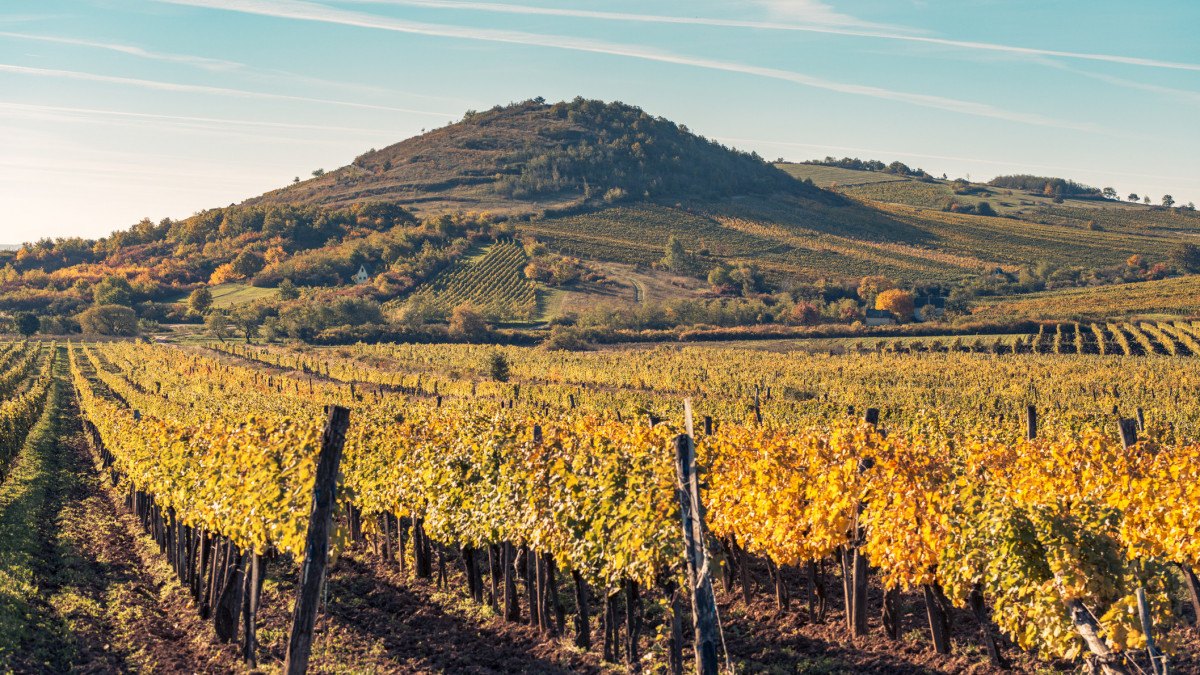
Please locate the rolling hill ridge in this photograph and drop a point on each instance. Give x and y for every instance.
(530, 156)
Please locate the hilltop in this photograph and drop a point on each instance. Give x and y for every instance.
(531, 157)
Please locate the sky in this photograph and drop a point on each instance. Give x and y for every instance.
(116, 110)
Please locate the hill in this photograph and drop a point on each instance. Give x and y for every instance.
(531, 156)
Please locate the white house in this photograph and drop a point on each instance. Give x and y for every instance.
(362, 277)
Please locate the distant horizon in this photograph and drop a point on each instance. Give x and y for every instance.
(163, 108)
(886, 160)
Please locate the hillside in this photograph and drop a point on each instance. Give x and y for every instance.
(529, 157)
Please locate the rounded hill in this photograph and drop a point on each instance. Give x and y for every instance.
(532, 155)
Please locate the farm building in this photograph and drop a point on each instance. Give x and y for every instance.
(363, 276)
(879, 317)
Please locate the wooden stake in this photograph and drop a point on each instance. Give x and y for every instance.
(981, 616)
(939, 626)
(316, 550)
(1129, 432)
(1158, 662)
(583, 624)
(704, 610)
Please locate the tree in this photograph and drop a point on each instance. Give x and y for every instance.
(497, 365)
(287, 290)
(249, 318)
(985, 209)
(1133, 197)
(751, 278)
(113, 290)
(217, 325)
(318, 172)
(413, 314)
(1168, 201)
(676, 255)
(27, 323)
(1186, 257)
(247, 263)
(897, 302)
(465, 321)
(804, 314)
(1146, 199)
(108, 320)
(1109, 193)
(869, 287)
(200, 300)
(719, 276)
(1136, 261)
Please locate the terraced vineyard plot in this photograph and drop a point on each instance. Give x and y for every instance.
(1129, 217)
(784, 236)
(1143, 338)
(1179, 297)
(494, 284)
(913, 193)
(828, 176)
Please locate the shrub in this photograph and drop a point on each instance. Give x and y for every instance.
(109, 320)
(497, 365)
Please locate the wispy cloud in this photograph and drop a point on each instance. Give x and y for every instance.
(813, 12)
(815, 21)
(200, 89)
(309, 11)
(93, 112)
(22, 18)
(199, 61)
(795, 15)
(1191, 97)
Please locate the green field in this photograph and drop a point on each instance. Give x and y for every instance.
(914, 193)
(834, 176)
(228, 295)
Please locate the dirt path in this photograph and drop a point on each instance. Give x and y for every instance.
(96, 604)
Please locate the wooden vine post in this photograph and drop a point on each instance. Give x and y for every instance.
(1129, 432)
(316, 550)
(858, 611)
(704, 608)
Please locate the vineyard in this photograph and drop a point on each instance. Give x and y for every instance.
(1043, 514)
(494, 284)
(1175, 296)
(793, 236)
(831, 176)
(1174, 338)
(913, 193)
(1136, 219)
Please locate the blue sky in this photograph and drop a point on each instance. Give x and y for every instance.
(115, 110)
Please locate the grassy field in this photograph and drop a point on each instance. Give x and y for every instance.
(1151, 299)
(833, 176)
(229, 295)
(913, 193)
